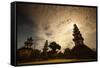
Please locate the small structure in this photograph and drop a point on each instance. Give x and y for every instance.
(26, 52)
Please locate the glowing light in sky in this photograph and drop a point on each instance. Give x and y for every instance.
(55, 23)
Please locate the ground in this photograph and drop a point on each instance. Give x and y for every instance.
(56, 61)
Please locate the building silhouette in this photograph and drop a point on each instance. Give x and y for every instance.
(80, 50)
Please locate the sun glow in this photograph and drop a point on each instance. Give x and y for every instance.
(70, 26)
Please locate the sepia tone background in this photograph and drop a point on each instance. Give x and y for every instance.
(55, 23)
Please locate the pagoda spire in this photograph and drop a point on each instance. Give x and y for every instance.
(45, 49)
(45, 46)
(78, 39)
(80, 50)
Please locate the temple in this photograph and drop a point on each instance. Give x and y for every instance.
(78, 39)
(80, 50)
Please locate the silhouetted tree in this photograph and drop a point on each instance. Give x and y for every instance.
(54, 46)
(53, 53)
(29, 42)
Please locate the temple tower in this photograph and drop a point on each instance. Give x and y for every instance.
(78, 39)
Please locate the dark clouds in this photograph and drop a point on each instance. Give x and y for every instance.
(49, 34)
(46, 27)
(25, 28)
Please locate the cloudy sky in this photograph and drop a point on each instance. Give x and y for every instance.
(55, 23)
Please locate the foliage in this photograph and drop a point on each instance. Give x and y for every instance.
(54, 46)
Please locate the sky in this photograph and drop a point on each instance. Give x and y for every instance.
(55, 23)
